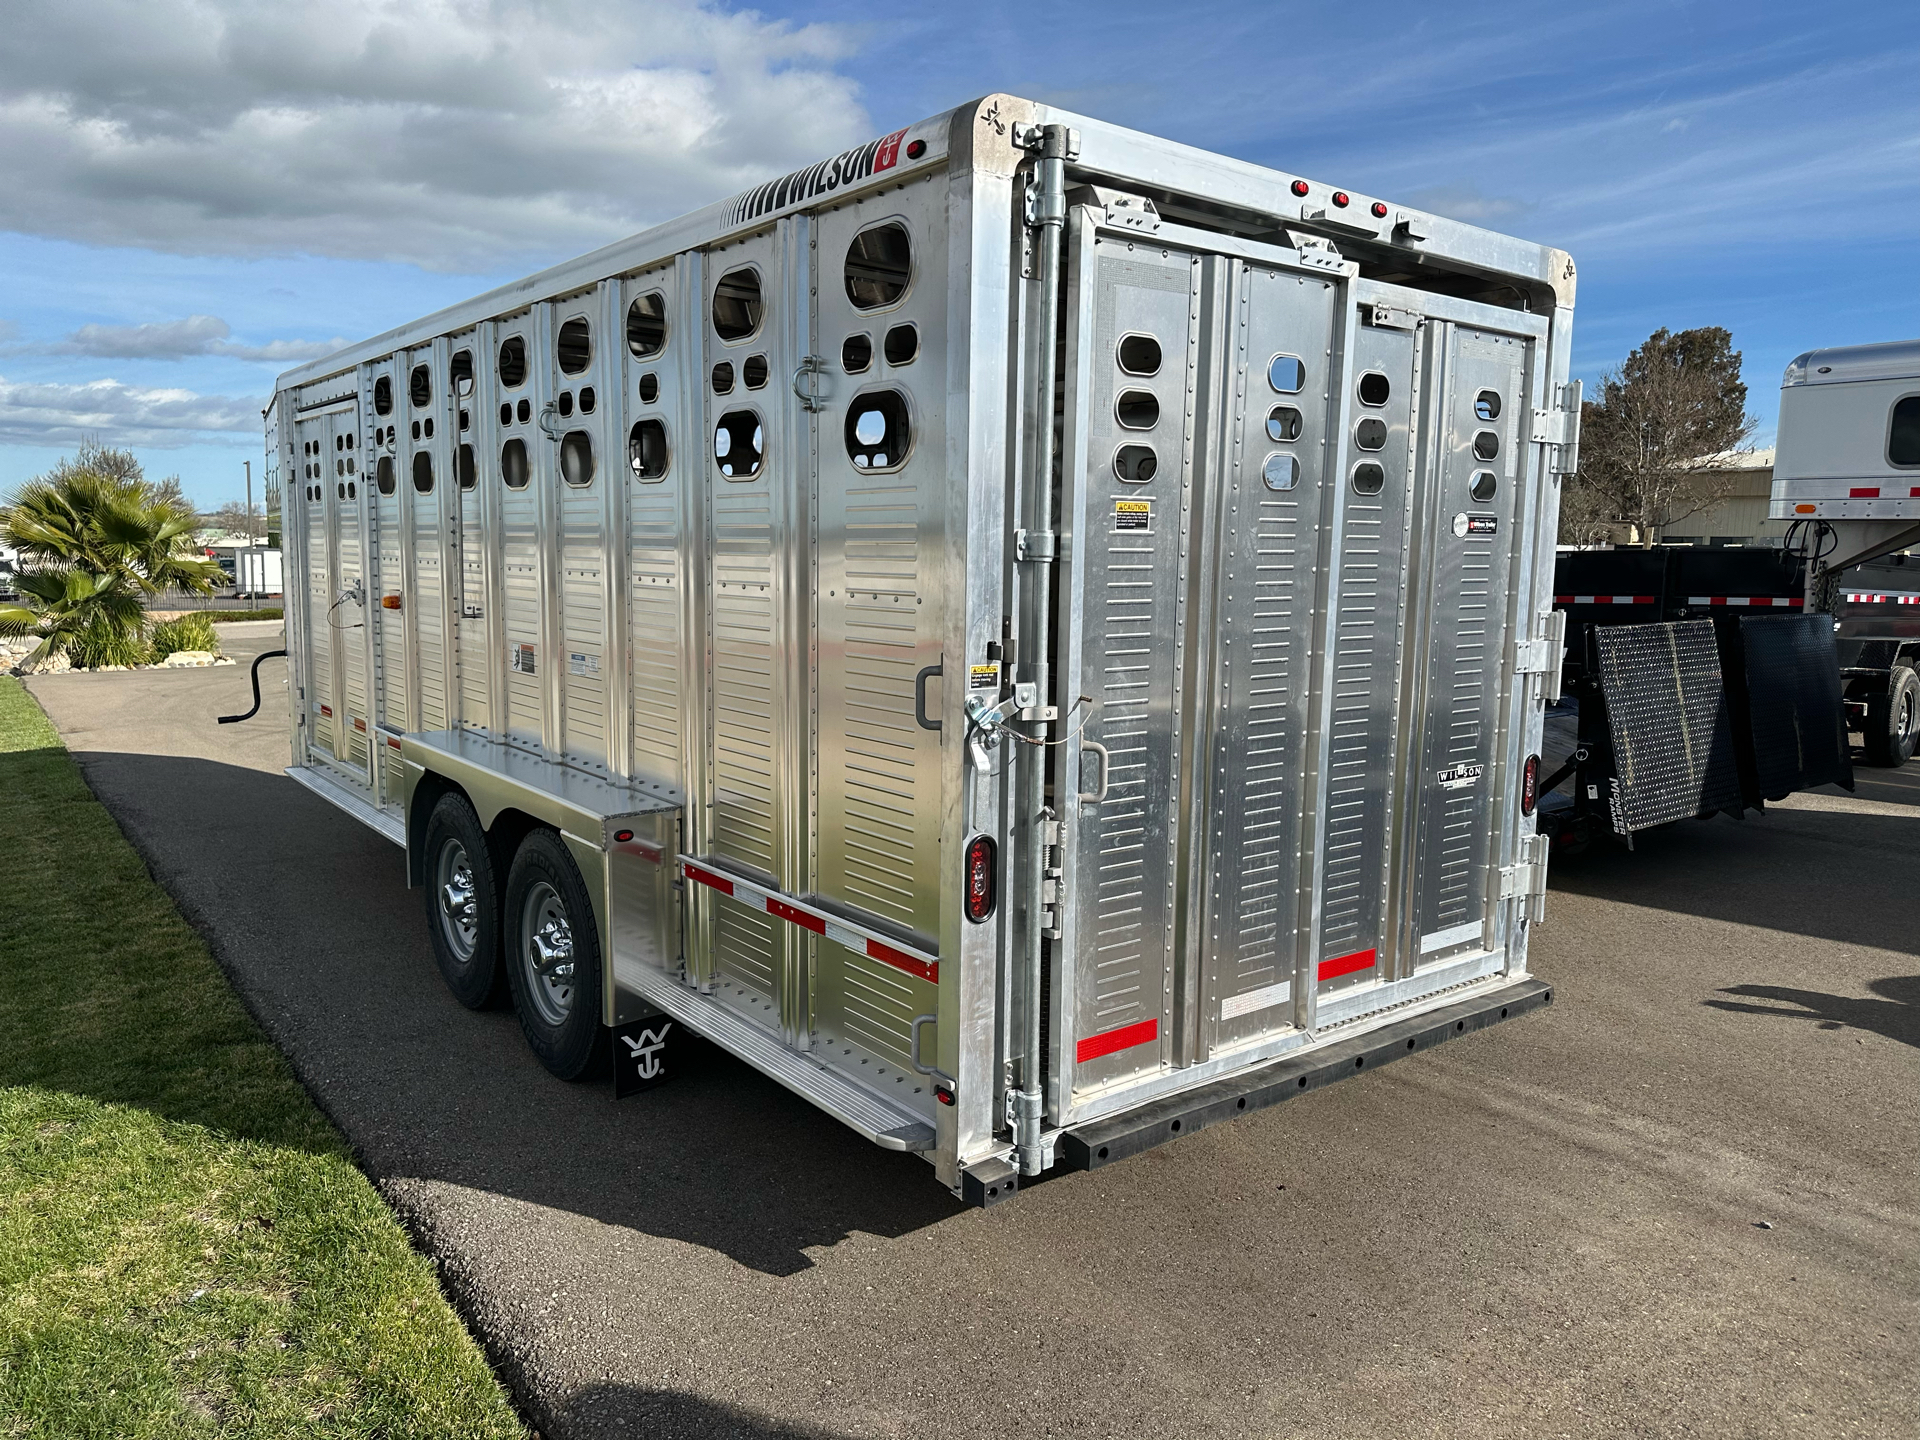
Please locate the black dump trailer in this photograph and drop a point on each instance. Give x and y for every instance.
(1694, 682)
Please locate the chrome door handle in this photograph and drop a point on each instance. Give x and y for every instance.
(1106, 769)
(813, 398)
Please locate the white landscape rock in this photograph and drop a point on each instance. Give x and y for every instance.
(181, 659)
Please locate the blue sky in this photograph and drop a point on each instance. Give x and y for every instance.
(196, 193)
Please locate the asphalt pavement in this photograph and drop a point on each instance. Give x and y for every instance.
(1681, 1201)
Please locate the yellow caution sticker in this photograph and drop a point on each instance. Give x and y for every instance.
(1133, 514)
(984, 677)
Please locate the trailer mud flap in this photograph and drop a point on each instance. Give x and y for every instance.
(1088, 1147)
(1672, 735)
(1794, 703)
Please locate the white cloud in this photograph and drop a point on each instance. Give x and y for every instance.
(178, 339)
(455, 134)
(117, 414)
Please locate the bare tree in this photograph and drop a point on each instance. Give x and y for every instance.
(93, 458)
(232, 518)
(1664, 422)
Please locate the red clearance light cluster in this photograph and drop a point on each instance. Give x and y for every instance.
(1530, 785)
(916, 148)
(1300, 187)
(1341, 199)
(1379, 211)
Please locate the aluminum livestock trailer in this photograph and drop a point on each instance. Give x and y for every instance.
(1029, 634)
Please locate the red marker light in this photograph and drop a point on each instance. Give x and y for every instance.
(1379, 211)
(916, 148)
(945, 1097)
(979, 876)
(1300, 187)
(1530, 785)
(623, 836)
(1341, 199)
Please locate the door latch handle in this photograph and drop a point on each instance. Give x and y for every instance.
(914, 1050)
(550, 420)
(813, 398)
(1094, 747)
(920, 696)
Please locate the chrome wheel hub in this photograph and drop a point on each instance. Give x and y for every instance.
(459, 910)
(546, 953)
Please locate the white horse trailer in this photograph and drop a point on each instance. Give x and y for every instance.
(1031, 635)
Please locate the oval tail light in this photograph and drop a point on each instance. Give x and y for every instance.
(1530, 785)
(980, 878)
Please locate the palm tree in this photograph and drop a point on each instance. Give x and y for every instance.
(92, 544)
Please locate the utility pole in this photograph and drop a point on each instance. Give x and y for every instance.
(249, 465)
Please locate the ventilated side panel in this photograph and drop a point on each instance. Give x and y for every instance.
(583, 608)
(1130, 557)
(656, 483)
(315, 444)
(744, 656)
(1363, 671)
(1268, 520)
(471, 604)
(429, 613)
(355, 692)
(1472, 540)
(1668, 717)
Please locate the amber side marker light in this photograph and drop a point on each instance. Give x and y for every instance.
(389, 602)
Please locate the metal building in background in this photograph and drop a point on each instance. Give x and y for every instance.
(1029, 634)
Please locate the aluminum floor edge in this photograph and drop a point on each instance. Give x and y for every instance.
(1088, 1147)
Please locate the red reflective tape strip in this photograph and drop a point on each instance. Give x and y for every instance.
(394, 743)
(900, 960)
(327, 710)
(797, 917)
(1125, 1038)
(708, 878)
(1346, 964)
(360, 725)
(1864, 492)
(1563, 600)
(1914, 493)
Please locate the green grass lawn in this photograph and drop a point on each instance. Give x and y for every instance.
(186, 1248)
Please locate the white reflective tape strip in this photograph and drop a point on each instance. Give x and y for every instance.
(852, 939)
(1441, 939)
(1264, 998)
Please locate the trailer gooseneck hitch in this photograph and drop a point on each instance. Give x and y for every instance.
(1046, 212)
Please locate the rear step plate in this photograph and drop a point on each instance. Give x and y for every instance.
(1088, 1147)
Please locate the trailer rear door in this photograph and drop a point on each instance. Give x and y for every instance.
(1288, 601)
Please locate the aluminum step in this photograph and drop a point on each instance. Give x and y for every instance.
(887, 1125)
(338, 792)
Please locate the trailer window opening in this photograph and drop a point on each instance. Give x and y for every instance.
(564, 404)
(649, 388)
(1486, 406)
(647, 450)
(1135, 464)
(647, 325)
(513, 362)
(423, 471)
(1486, 445)
(754, 372)
(1283, 423)
(587, 399)
(879, 266)
(723, 378)
(1368, 478)
(525, 411)
(576, 459)
(383, 395)
(1137, 409)
(1483, 486)
(1371, 433)
(383, 474)
(1287, 374)
(736, 444)
(465, 471)
(514, 471)
(506, 412)
(574, 347)
(1281, 472)
(461, 369)
(1375, 388)
(879, 431)
(1139, 355)
(420, 387)
(856, 354)
(736, 304)
(902, 345)
(1903, 433)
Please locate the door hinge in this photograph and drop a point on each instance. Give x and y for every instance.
(1558, 429)
(1317, 251)
(1543, 654)
(1386, 317)
(1526, 879)
(1036, 545)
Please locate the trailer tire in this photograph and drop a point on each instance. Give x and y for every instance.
(1893, 720)
(463, 903)
(553, 958)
